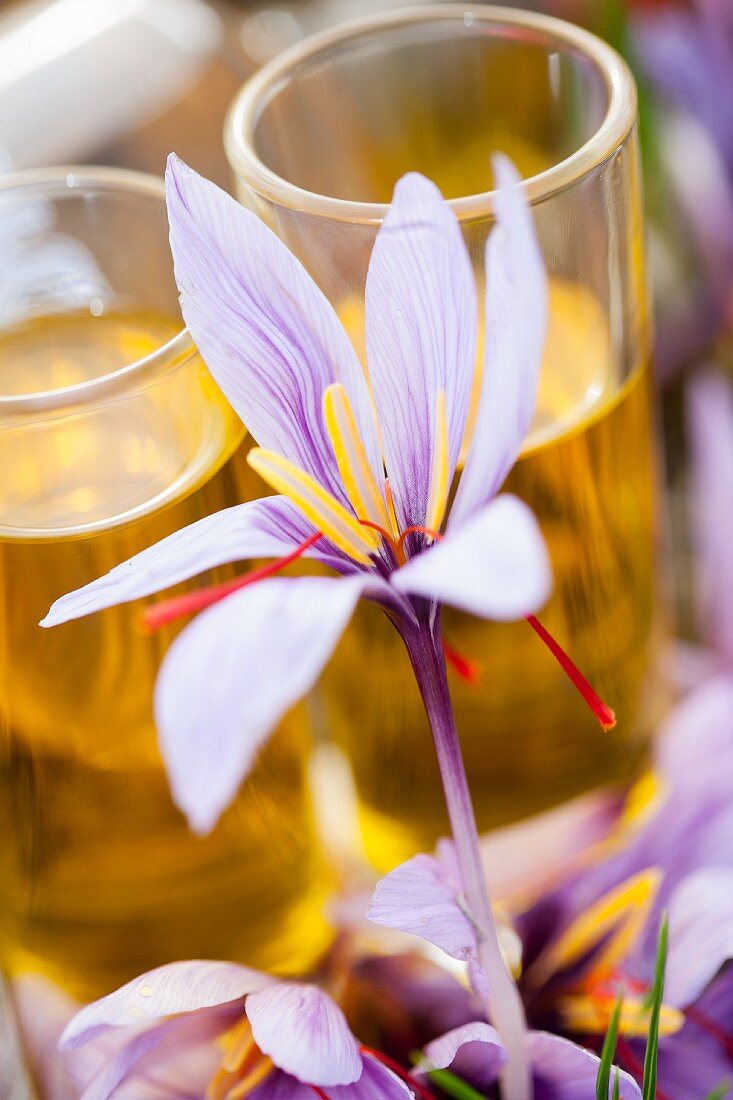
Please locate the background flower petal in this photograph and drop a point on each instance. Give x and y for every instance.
(421, 336)
(564, 1071)
(700, 933)
(264, 528)
(305, 1033)
(495, 567)
(165, 991)
(421, 897)
(268, 335)
(516, 322)
(230, 676)
(377, 1082)
(474, 1052)
(710, 426)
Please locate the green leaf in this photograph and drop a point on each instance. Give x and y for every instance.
(617, 1085)
(603, 1077)
(447, 1081)
(649, 1088)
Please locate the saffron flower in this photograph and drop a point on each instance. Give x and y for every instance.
(327, 436)
(263, 1038)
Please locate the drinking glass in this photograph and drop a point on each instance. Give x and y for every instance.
(316, 141)
(113, 435)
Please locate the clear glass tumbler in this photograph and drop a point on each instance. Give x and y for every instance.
(112, 435)
(316, 141)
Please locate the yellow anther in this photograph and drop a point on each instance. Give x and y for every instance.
(439, 479)
(589, 1015)
(615, 920)
(319, 506)
(358, 477)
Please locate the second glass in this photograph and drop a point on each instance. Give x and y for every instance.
(317, 140)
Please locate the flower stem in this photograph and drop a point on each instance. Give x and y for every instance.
(505, 1007)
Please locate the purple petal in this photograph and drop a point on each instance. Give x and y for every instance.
(696, 737)
(422, 897)
(265, 528)
(231, 675)
(516, 321)
(377, 1082)
(281, 1086)
(268, 335)
(700, 933)
(694, 1061)
(165, 991)
(496, 566)
(421, 336)
(474, 1052)
(564, 1071)
(305, 1033)
(710, 423)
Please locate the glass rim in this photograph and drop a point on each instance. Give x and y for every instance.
(66, 179)
(246, 108)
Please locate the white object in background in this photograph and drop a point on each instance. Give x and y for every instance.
(76, 73)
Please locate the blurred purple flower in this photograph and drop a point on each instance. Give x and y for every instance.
(686, 54)
(191, 1029)
(560, 1069)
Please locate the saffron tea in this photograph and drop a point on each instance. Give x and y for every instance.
(528, 739)
(99, 874)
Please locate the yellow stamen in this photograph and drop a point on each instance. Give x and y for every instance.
(394, 525)
(616, 918)
(358, 477)
(237, 1043)
(474, 401)
(249, 1083)
(316, 504)
(589, 1015)
(439, 486)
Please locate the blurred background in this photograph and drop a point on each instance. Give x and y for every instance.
(123, 82)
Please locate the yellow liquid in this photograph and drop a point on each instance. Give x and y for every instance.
(528, 739)
(99, 876)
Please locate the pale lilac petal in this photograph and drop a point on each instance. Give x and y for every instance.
(165, 991)
(564, 1071)
(421, 336)
(525, 860)
(422, 897)
(149, 1049)
(700, 933)
(231, 675)
(474, 1052)
(305, 1033)
(695, 738)
(266, 528)
(496, 566)
(377, 1082)
(516, 322)
(268, 335)
(710, 424)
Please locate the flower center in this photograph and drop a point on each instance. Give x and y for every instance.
(243, 1066)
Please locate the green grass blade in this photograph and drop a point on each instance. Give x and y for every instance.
(603, 1077)
(445, 1080)
(617, 1085)
(649, 1088)
(719, 1092)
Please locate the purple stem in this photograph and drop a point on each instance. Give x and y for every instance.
(505, 1007)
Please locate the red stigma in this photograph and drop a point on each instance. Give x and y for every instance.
(418, 529)
(603, 713)
(168, 611)
(468, 670)
(383, 532)
(319, 1092)
(402, 1073)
